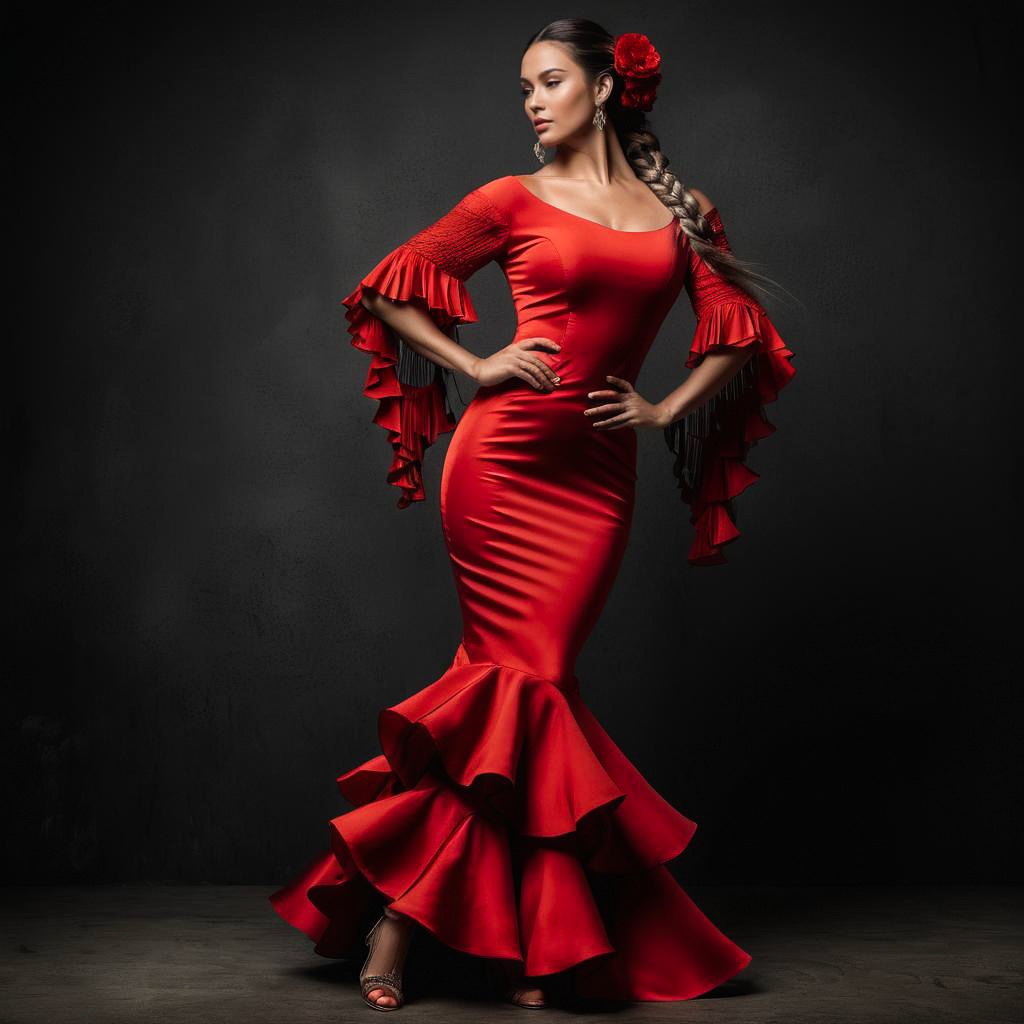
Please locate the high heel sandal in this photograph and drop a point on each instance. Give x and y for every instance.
(391, 980)
(512, 995)
(513, 992)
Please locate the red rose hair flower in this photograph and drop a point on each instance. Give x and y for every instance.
(637, 62)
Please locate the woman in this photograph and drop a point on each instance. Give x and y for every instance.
(500, 815)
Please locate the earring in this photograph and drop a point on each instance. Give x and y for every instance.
(539, 151)
(600, 117)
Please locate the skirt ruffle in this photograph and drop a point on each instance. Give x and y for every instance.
(502, 817)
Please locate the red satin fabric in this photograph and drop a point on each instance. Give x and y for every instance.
(500, 814)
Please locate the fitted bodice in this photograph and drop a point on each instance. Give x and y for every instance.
(600, 292)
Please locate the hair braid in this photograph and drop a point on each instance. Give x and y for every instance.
(643, 151)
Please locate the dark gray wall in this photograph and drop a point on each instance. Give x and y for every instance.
(213, 592)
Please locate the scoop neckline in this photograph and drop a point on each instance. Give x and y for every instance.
(597, 224)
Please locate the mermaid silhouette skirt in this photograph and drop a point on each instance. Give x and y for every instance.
(499, 814)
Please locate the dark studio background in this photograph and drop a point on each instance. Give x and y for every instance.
(213, 592)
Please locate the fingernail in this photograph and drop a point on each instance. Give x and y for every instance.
(557, 379)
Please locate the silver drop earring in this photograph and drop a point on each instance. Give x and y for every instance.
(538, 151)
(600, 117)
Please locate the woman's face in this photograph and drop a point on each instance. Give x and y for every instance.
(557, 94)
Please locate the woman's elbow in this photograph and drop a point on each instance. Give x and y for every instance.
(377, 304)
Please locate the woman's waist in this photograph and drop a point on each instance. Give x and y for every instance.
(570, 391)
(518, 412)
(588, 353)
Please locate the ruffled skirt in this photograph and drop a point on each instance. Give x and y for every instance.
(503, 818)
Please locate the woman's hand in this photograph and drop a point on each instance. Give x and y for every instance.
(630, 408)
(515, 360)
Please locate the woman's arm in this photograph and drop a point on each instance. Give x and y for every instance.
(419, 331)
(704, 382)
(424, 278)
(631, 409)
(714, 372)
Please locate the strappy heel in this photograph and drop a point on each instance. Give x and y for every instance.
(391, 979)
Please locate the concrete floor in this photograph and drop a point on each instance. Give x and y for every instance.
(210, 954)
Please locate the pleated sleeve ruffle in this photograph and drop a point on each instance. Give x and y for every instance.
(430, 269)
(711, 442)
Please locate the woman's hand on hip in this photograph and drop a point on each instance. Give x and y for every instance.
(622, 406)
(516, 360)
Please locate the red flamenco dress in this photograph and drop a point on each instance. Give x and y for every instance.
(499, 814)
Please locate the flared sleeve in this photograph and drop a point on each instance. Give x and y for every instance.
(711, 443)
(430, 269)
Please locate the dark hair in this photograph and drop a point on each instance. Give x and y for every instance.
(593, 49)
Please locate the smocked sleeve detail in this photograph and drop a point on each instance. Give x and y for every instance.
(430, 269)
(712, 442)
